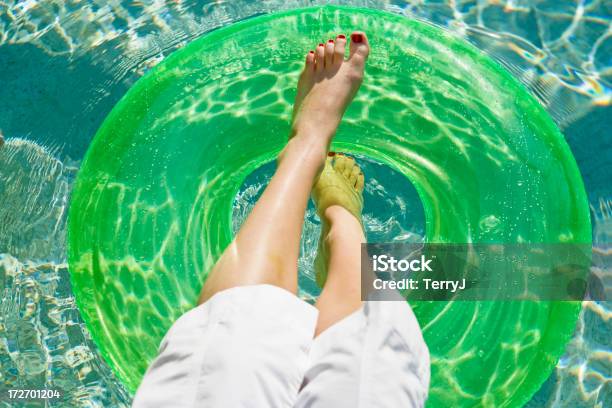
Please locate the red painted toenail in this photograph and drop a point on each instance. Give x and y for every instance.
(331, 41)
(331, 154)
(357, 38)
(321, 45)
(342, 36)
(311, 52)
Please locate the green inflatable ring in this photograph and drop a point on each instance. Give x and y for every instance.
(151, 209)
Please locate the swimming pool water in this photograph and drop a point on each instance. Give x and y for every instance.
(52, 61)
(144, 233)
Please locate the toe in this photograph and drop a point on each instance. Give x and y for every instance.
(340, 163)
(329, 162)
(310, 60)
(320, 57)
(339, 48)
(346, 166)
(309, 66)
(354, 175)
(329, 53)
(360, 48)
(348, 169)
(360, 182)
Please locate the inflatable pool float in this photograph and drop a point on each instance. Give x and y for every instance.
(151, 209)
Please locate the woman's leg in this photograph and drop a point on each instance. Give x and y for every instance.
(341, 294)
(266, 249)
(338, 195)
(378, 349)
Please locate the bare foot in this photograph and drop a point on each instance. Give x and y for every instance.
(339, 188)
(327, 85)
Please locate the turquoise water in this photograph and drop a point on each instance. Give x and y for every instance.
(63, 66)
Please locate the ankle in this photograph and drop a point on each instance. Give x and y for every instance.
(307, 151)
(313, 129)
(336, 214)
(340, 222)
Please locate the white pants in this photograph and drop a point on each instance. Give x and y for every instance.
(253, 346)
